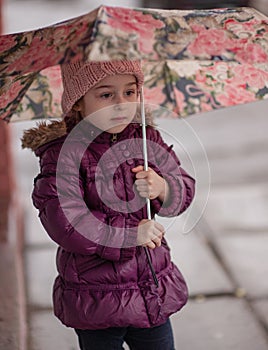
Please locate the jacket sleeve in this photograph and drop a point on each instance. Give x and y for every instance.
(181, 184)
(58, 195)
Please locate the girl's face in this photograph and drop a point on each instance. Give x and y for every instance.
(115, 98)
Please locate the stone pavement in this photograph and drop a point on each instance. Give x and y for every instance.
(224, 258)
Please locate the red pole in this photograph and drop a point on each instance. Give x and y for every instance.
(5, 169)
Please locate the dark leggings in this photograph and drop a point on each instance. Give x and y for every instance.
(155, 338)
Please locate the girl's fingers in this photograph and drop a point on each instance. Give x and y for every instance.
(157, 241)
(150, 245)
(158, 235)
(137, 169)
(159, 227)
(151, 234)
(142, 175)
(141, 186)
(141, 182)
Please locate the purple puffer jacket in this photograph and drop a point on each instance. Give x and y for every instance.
(89, 206)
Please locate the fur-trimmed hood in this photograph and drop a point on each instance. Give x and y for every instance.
(42, 134)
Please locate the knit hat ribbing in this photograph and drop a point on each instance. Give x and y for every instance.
(79, 77)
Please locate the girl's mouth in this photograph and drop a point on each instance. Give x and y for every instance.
(119, 119)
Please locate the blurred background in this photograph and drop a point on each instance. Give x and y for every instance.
(225, 256)
(197, 4)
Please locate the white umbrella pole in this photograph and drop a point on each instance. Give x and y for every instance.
(144, 144)
(145, 157)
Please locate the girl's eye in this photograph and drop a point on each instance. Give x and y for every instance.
(106, 95)
(130, 92)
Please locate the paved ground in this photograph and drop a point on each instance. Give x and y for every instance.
(224, 258)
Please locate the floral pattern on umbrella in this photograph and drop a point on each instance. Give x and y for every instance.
(195, 87)
(194, 61)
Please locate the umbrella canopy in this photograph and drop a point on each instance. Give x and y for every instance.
(194, 61)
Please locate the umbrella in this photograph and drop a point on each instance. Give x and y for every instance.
(194, 61)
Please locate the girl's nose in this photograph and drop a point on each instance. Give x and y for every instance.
(118, 107)
(119, 100)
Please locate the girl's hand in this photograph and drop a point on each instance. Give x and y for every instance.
(150, 185)
(150, 233)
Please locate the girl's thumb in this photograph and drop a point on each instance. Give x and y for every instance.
(137, 169)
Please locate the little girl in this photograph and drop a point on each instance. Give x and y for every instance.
(91, 194)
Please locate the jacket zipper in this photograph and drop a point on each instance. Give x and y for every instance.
(113, 138)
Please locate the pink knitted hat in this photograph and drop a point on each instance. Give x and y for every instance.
(79, 77)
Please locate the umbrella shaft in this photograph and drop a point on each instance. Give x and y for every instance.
(145, 155)
(144, 145)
